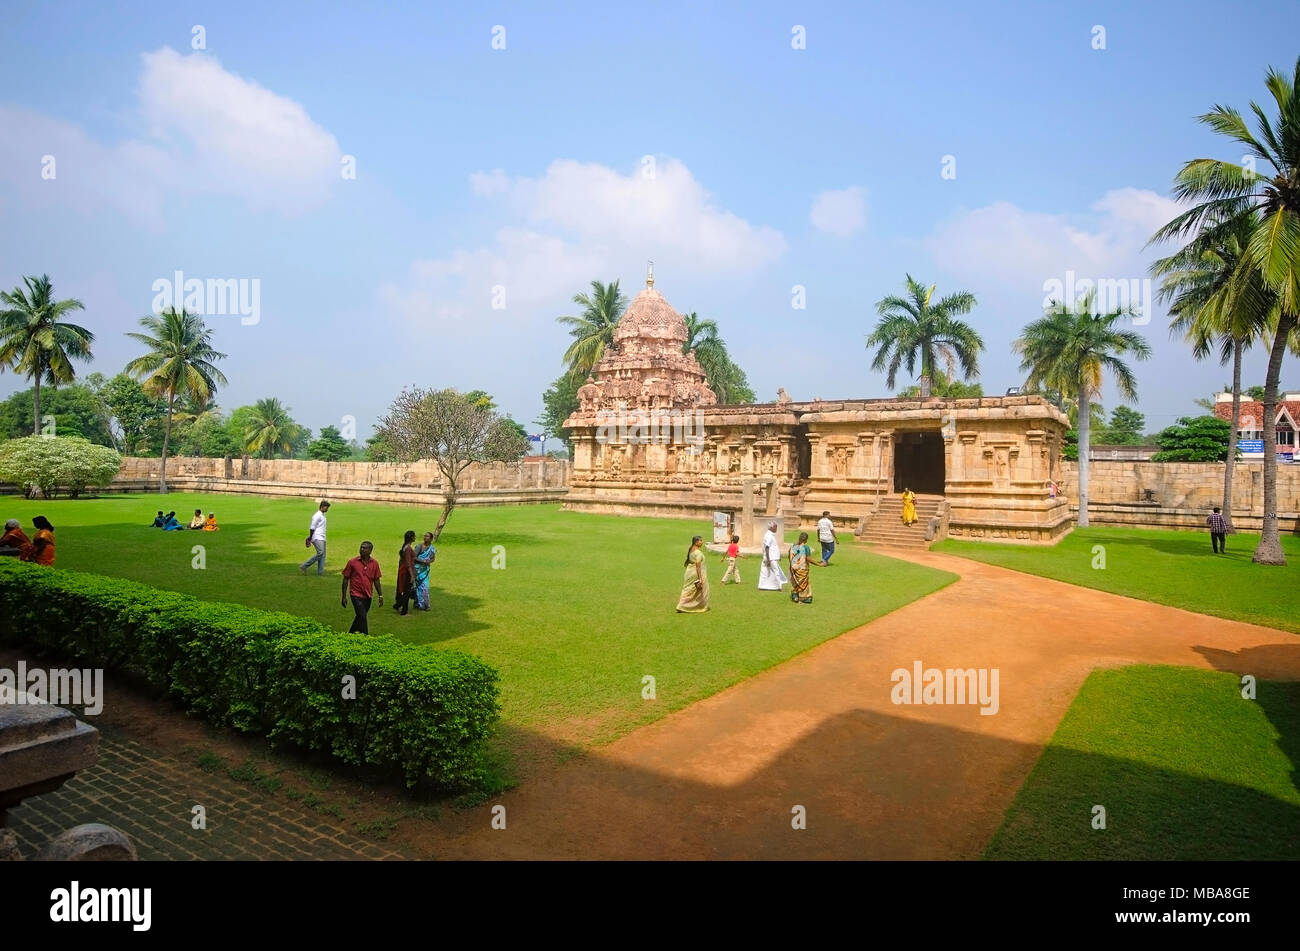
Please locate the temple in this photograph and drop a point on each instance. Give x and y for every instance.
(650, 439)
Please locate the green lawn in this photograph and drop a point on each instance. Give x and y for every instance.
(1174, 568)
(583, 609)
(1184, 766)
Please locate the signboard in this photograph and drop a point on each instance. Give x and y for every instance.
(1250, 445)
(722, 526)
(1286, 457)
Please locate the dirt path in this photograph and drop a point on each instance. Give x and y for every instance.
(720, 778)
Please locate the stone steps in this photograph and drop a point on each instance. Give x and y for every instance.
(885, 529)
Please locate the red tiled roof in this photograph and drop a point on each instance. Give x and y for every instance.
(1253, 411)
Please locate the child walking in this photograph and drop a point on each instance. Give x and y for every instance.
(733, 555)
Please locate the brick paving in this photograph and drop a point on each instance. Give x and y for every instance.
(149, 795)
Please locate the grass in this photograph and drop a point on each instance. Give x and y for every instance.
(1174, 568)
(1184, 766)
(582, 610)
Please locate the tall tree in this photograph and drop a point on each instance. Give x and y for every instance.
(917, 326)
(726, 379)
(592, 330)
(452, 430)
(269, 429)
(1219, 190)
(36, 342)
(1220, 306)
(1070, 349)
(179, 361)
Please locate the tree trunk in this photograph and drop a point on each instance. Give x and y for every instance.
(36, 405)
(449, 503)
(1270, 551)
(1231, 461)
(167, 438)
(925, 374)
(1085, 427)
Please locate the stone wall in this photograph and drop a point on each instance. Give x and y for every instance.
(1181, 493)
(418, 483)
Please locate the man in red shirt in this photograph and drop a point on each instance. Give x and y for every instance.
(361, 576)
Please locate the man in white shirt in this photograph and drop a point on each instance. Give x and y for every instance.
(316, 539)
(770, 575)
(826, 535)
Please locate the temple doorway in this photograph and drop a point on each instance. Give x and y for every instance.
(918, 462)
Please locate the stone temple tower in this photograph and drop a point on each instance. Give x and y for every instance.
(645, 367)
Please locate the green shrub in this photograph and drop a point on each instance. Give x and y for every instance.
(422, 713)
(70, 464)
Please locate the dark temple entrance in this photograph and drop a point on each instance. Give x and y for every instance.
(918, 462)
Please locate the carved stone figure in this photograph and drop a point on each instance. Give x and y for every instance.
(588, 395)
(782, 396)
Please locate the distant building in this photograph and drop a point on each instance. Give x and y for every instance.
(1104, 452)
(1251, 428)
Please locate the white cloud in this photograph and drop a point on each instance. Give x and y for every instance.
(578, 222)
(670, 211)
(234, 136)
(841, 213)
(1003, 244)
(208, 130)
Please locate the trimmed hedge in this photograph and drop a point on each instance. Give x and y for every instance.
(422, 713)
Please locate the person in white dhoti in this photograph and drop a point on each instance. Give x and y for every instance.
(770, 576)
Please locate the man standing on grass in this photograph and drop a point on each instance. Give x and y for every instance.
(1218, 532)
(360, 579)
(316, 539)
(826, 535)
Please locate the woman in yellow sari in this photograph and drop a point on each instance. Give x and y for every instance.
(909, 507)
(695, 581)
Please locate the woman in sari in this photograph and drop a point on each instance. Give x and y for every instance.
(42, 550)
(909, 507)
(424, 556)
(800, 582)
(405, 574)
(695, 581)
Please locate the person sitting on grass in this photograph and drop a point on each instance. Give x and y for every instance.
(171, 525)
(159, 520)
(211, 524)
(196, 523)
(731, 557)
(14, 542)
(42, 550)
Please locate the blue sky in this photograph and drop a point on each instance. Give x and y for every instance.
(525, 169)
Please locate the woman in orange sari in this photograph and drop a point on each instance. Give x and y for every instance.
(695, 581)
(42, 550)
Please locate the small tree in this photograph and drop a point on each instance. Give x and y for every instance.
(329, 446)
(1125, 429)
(452, 429)
(50, 464)
(1199, 439)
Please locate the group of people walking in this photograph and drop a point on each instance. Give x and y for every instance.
(39, 549)
(695, 580)
(362, 574)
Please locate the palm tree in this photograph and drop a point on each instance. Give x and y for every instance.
(917, 325)
(1222, 190)
(1218, 305)
(36, 343)
(725, 378)
(593, 330)
(1069, 349)
(269, 430)
(179, 362)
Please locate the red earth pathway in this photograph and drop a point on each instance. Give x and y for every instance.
(721, 778)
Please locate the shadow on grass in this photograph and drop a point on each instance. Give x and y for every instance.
(872, 785)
